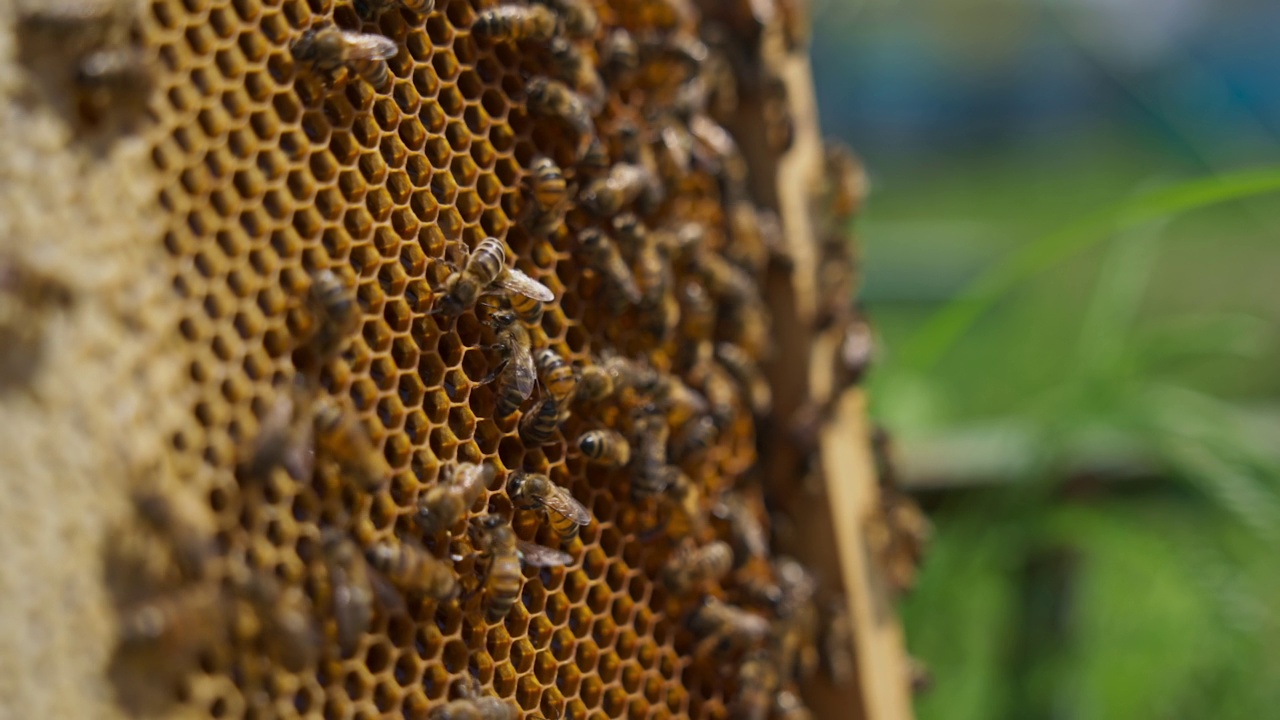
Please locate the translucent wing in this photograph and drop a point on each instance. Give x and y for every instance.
(562, 502)
(517, 282)
(364, 46)
(523, 372)
(541, 556)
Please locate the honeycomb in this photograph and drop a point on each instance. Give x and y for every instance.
(276, 173)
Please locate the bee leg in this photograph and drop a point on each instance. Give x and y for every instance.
(464, 597)
(498, 370)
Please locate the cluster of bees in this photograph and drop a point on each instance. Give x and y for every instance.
(642, 192)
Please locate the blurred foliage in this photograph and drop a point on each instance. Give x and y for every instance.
(1070, 254)
(1151, 603)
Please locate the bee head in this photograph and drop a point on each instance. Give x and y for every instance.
(500, 319)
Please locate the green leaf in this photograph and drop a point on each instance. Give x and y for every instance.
(950, 323)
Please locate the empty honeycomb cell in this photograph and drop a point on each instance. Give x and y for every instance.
(481, 665)
(231, 63)
(626, 643)
(622, 609)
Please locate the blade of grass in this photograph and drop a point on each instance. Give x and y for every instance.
(1122, 282)
(928, 345)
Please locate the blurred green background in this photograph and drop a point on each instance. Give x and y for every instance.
(1071, 257)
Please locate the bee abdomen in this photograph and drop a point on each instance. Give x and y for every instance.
(489, 258)
(517, 22)
(504, 586)
(605, 447)
(539, 425)
(563, 525)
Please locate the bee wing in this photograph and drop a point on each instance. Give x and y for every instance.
(524, 371)
(541, 556)
(562, 502)
(365, 46)
(517, 282)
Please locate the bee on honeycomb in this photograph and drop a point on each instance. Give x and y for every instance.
(470, 296)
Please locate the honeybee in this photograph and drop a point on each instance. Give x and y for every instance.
(757, 682)
(837, 641)
(284, 616)
(719, 622)
(605, 447)
(798, 615)
(472, 705)
(554, 99)
(444, 504)
(720, 392)
(629, 373)
(285, 439)
(687, 517)
(550, 193)
(619, 56)
(602, 255)
(749, 328)
(539, 423)
(497, 544)
(516, 374)
(652, 269)
(334, 53)
(626, 183)
(716, 152)
(651, 475)
(367, 9)
(112, 78)
(175, 621)
(659, 308)
(350, 589)
(673, 152)
(680, 402)
(846, 181)
(919, 675)
(682, 48)
(788, 706)
(558, 377)
(412, 569)
(191, 547)
(335, 314)
(595, 159)
(745, 370)
(343, 438)
(595, 383)
(779, 126)
(857, 350)
(726, 281)
(691, 566)
(683, 240)
(579, 72)
(898, 532)
(578, 17)
(534, 23)
(746, 247)
(697, 311)
(27, 293)
(486, 267)
(530, 491)
(694, 438)
(748, 532)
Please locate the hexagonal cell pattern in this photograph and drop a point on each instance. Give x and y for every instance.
(277, 173)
